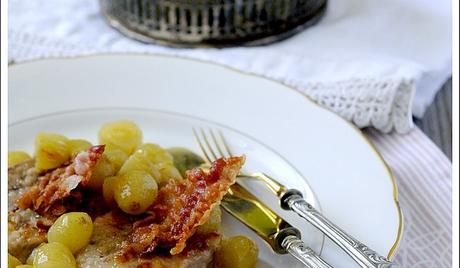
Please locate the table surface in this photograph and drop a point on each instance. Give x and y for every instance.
(437, 121)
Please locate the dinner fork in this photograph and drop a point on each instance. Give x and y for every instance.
(292, 199)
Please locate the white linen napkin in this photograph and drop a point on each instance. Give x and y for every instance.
(365, 59)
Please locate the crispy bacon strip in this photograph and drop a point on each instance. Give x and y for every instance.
(52, 188)
(181, 207)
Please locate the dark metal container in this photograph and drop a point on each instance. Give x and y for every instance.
(211, 22)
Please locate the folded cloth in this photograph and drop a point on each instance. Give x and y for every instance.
(365, 59)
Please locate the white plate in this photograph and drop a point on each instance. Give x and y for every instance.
(281, 131)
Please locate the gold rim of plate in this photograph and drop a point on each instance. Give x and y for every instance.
(395, 245)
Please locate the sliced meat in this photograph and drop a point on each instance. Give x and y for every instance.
(111, 230)
(26, 229)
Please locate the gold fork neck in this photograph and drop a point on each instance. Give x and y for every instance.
(273, 185)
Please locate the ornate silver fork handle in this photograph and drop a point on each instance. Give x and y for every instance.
(303, 253)
(293, 200)
(363, 255)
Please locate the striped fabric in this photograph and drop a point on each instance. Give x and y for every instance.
(424, 175)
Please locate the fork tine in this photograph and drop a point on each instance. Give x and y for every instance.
(227, 148)
(206, 141)
(203, 150)
(206, 149)
(216, 144)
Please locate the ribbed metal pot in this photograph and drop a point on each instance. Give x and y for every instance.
(211, 22)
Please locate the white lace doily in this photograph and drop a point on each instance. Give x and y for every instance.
(350, 62)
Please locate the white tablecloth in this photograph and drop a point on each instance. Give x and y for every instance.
(367, 60)
(53, 28)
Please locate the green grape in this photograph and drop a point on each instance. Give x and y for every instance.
(54, 255)
(73, 230)
(30, 259)
(117, 157)
(17, 157)
(167, 172)
(51, 151)
(13, 261)
(162, 159)
(237, 252)
(108, 189)
(77, 145)
(155, 153)
(103, 169)
(122, 134)
(135, 191)
(138, 161)
(213, 223)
